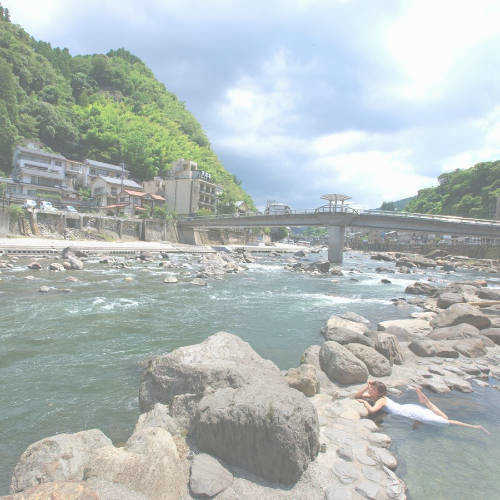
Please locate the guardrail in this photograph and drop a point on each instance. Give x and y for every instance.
(350, 212)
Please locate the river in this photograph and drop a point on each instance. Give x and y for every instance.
(68, 361)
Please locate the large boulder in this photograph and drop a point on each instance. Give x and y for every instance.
(446, 299)
(148, 464)
(382, 256)
(388, 345)
(62, 457)
(208, 476)
(419, 288)
(427, 348)
(268, 430)
(158, 416)
(461, 331)
(489, 294)
(461, 313)
(222, 360)
(345, 331)
(470, 348)
(493, 334)
(65, 490)
(341, 365)
(304, 378)
(377, 365)
(412, 327)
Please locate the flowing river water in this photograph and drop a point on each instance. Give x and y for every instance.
(69, 361)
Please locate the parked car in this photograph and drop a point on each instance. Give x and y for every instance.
(29, 204)
(69, 208)
(47, 206)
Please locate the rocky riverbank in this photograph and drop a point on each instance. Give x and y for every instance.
(220, 421)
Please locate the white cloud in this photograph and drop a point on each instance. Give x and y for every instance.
(430, 37)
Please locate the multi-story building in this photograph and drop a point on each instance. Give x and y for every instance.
(107, 190)
(187, 189)
(39, 174)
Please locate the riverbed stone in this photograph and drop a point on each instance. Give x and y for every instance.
(377, 365)
(341, 365)
(304, 378)
(56, 266)
(457, 383)
(461, 313)
(62, 457)
(388, 345)
(208, 476)
(170, 279)
(446, 299)
(414, 327)
(346, 336)
(352, 316)
(419, 288)
(35, 266)
(493, 334)
(461, 331)
(471, 348)
(427, 348)
(267, 430)
(347, 472)
(149, 464)
(222, 360)
(436, 384)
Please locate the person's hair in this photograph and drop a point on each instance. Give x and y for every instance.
(381, 388)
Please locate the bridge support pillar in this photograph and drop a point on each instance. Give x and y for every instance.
(336, 239)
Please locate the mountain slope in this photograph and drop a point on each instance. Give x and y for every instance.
(105, 107)
(470, 192)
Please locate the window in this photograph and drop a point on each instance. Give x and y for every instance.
(58, 163)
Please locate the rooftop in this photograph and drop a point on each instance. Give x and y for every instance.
(108, 166)
(120, 182)
(24, 149)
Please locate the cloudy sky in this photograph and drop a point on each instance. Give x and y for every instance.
(304, 97)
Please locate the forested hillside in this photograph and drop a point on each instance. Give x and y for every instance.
(105, 107)
(470, 192)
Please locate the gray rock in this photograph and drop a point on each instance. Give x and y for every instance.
(493, 334)
(336, 322)
(199, 282)
(208, 476)
(436, 385)
(446, 299)
(377, 365)
(64, 490)
(461, 331)
(36, 266)
(414, 327)
(62, 457)
(488, 294)
(44, 289)
(170, 279)
(456, 383)
(352, 316)
(388, 346)
(304, 378)
(346, 471)
(369, 489)
(269, 430)
(346, 336)
(341, 365)
(427, 348)
(222, 360)
(379, 439)
(337, 492)
(149, 464)
(158, 416)
(461, 313)
(419, 288)
(471, 348)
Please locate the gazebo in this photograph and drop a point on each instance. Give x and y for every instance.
(336, 201)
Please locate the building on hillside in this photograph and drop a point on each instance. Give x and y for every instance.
(187, 189)
(107, 190)
(132, 202)
(40, 174)
(242, 207)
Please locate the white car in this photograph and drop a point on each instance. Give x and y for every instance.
(29, 204)
(71, 209)
(47, 206)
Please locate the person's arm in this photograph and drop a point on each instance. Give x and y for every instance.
(361, 391)
(380, 403)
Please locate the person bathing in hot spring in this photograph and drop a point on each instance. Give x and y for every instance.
(431, 414)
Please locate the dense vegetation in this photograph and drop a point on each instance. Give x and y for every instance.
(396, 205)
(105, 107)
(469, 193)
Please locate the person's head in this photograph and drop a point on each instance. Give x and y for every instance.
(377, 389)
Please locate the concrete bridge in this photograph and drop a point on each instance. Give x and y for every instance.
(336, 222)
